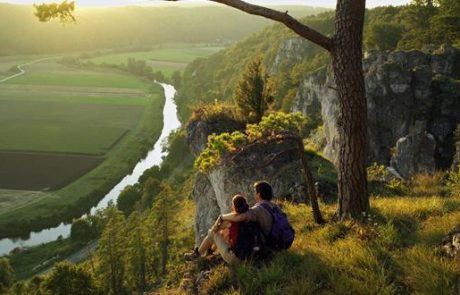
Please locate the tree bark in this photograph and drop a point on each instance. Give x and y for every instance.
(352, 121)
(311, 185)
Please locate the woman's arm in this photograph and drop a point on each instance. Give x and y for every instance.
(235, 217)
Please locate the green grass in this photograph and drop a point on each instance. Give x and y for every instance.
(11, 199)
(179, 55)
(387, 255)
(72, 78)
(64, 127)
(39, 258)
(50, 137)
(166, 60)
(73, 95)
(11, 61)
(395, 251)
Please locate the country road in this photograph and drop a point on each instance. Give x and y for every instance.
(76, 257)
(22, 71)
(83, 253)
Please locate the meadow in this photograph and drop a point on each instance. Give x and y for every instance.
(166, 60)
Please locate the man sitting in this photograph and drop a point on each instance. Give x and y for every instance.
(257, 213)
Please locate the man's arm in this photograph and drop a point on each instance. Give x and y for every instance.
(235, 217)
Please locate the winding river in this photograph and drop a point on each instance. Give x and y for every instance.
(154, 157)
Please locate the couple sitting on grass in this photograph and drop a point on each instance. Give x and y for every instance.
(248, 232)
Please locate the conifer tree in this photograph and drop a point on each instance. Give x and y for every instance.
(67, 278)
(164, 207)
(111, 252)
(253, 95)
(136, 258)
(6, 274)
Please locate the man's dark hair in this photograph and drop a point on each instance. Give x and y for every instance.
(264, 189)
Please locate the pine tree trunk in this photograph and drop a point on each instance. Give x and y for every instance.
(310, 181)
(352, 120)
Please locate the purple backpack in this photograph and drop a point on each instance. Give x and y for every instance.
(282, 234)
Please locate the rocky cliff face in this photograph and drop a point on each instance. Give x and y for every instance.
(403, 89)
(456, 161)
(291, 51)
(276, 162)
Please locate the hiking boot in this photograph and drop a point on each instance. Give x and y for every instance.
(191, 255)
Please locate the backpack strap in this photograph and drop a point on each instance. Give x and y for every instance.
(268, 208)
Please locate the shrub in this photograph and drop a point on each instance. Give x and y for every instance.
(453, 182)
(217, 146)
(82, 231)
(381, 182)
(317, 139)
(276, 123)
(6, 274)
(220, 144)
(66, 278)
(216, 111)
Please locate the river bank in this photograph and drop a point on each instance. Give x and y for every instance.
(154, 157)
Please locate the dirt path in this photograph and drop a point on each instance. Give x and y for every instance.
(22, 71)
(83, 253)
(76, 257)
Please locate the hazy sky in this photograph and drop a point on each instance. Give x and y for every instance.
(322, 3)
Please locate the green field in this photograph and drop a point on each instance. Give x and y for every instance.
(63, 127)
(166, 60)
(67, 136)
(50, 73)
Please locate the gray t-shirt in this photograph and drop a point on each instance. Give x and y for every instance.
(260, 215)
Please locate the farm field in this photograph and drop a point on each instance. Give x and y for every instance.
(67, 135)
(52, 73)
(31, 171)
(166, 60)
(43, 126)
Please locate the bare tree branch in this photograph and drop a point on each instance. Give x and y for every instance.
(282, 17)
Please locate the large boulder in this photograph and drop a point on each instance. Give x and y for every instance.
(207, 209)
(402, 87)
(414, 153)
(276, 162)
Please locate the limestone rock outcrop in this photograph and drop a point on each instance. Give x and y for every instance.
(402, 88)
(275, 162)
(291, 51)
(414, 153)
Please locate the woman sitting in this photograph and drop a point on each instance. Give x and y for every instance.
(234, 241)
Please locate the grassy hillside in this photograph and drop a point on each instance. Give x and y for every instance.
(395, 252)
